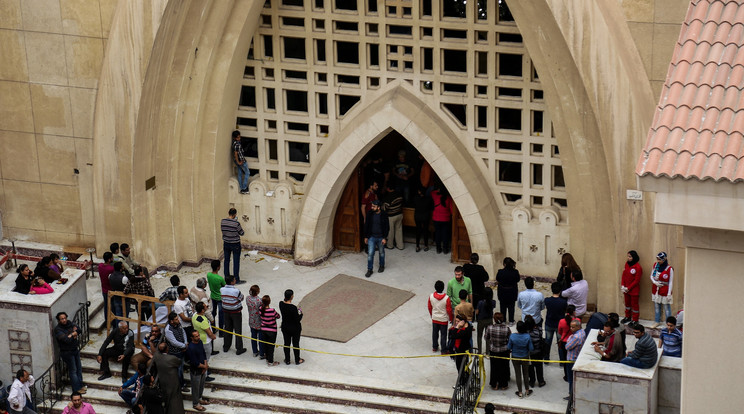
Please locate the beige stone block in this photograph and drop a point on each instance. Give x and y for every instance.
(84, 157)
(46, 58)
(81, 17)
(638, 10)
(83, 104)
(70, 239)
(24, 234)
(665, 39)
(670, 11)
(41, 16)
(10, 10)
(108, 7)
(51, 106)
(84, 60)
(13, 51)
(23, 205)
(643, 37)
(56, 159)
(15, 107)
(63, 202)
(19, 160)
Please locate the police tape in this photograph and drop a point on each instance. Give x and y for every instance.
(387, 356)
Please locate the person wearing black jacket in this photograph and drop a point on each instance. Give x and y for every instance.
(291, 326)
(478, 277)
(507, 291)
(67, 335)
(24, 280)
(122, 349)
(376, 228)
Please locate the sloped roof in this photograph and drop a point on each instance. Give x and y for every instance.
(698, 127)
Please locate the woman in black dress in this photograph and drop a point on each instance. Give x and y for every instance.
(508, 281)
(291, 326)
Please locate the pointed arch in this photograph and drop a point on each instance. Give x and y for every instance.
(400, 109)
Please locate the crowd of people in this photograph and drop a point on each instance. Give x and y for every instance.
(467, 300)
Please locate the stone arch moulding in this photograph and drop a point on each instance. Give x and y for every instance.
(398, 108)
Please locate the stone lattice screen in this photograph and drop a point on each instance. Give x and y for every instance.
(312, 61)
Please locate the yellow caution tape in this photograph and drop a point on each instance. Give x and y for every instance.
(386, 356)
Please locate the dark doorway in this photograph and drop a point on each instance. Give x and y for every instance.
(380, 165)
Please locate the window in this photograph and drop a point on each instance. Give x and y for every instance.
(296, 100)
(248, 96)
(455, 60)
(294, 48)
(347, 52)
(510, 118)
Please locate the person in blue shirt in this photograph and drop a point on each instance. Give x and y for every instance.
(520, 345)
(671, 339)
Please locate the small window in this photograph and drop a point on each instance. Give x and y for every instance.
(296, 100)
(293, 21)
(454, 34)
(323, 103)
(537, 95)
(346, 5)
(537, 149)
(294, 48)
(248, 96)
(454, 8)
(298, 151)
(320, 49)
(319, 4)
(346, 102)
(537, 122)
(372, 6)
(270, 99)
(481, 144)
(510, 64)
(510, 146)
(481, 36)
(296, 176)
(273, 175)
(558, 180)
(510, 118)
(510, 171)
(268, 46)
(482, 63)
(511, 198)
(537, 201)
(250, 147)
(482, 114)
(268, 73)
(322, 77)
(347, 52)
(293, 3)
(372, 28)
(481, 90)
(509, 92)
(399, 30)
(428, 58)
(319, 24)
(298, 126)
(265, 20)
(427, 32)
(504, 13)
(348, 79)
(347, 26)
(425, 7)
(273, 153)
(510, 38)
(374, 54)
(455, 60)
(454, 87)
(561, 202)
(458, 111)
(249, 72)
(295, 74)
(482, 9)
(374, 82)
(537, 171)
(271, 125)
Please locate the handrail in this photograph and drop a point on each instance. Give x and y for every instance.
(139, 299)
(469, 385)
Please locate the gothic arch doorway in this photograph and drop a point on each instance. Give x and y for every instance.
(401, 110)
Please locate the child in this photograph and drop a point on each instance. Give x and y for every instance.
(40, 287)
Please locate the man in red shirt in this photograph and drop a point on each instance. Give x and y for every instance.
(104, 270)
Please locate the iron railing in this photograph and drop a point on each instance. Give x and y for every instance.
(468, 387)
(81, 320)
(48, 387)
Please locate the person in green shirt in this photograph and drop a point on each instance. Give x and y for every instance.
(457, 283)
(216, 282)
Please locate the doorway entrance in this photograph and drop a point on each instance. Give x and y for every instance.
(379, 165)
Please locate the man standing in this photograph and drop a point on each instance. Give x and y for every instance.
(369, 196)
(231, 232)
(117, 282)
(531, 301)
(216, 282)
(577, 293)
(478, 277)
(573, 348)
(555, 311)
(184, 309)
(20, 392)
(168, 366)
(129, 263)
(177, 341)
(440, 310)
(458, 283)
(644, 355)
(104, 270)
(123, 349)
(393, 203)
(376, 228)
(66, 333)
(671, 339)
(77, 406)
(239, 160)
(198, 363)
(232, 307)
(171, 292)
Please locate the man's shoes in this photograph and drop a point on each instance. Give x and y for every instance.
(255, 354)
(244, 191)
(625, 320)
(204, 401)
(185, 389)
(418, 249)
(381, 269)
(104, 376)
(241, 282)
(240, 351)
(209, 379)
(439, 250)
(215, 352)
(426, 248)
(83, 390)
(369, 273)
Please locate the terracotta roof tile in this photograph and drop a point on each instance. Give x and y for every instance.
(698, 127)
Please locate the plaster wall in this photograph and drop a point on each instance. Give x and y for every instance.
(711, 376)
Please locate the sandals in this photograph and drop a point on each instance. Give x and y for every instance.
(272, 364)
(519, 394)
(300, 361)
(529, 392)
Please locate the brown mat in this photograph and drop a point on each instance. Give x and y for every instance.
(344, 306)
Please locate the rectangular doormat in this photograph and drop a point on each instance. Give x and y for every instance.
(344, 306)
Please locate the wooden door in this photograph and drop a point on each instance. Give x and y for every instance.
(347, 221)
(460, 239)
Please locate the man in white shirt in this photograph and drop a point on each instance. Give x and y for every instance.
(531, 301)
(20, 393)
(578, 292)
(184, 309)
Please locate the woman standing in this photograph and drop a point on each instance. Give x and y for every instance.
(461, 333)
(564, 331)
(291, 326)
(497, 338)
(24, 280)
(662, 277)
(442, 218)
(508, 280)
(568, 266)
(520, 346)
(268, 329)
(254, 320)
(536, 368)
(631, 286)
(483, 314)
(422, 215)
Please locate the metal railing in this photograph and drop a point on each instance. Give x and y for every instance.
(81, 320)
(48, 387)
(469, 385)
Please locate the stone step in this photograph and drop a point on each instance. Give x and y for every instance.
(230, 389)
(106, 400)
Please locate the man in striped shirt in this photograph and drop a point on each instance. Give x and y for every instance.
(231, 232)
(232, 306)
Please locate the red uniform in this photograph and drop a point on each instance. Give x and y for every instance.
(664, 277)
(632, 281)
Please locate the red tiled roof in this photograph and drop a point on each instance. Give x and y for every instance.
(698, 128)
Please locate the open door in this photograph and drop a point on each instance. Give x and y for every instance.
(460, 239)
(347, 221)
